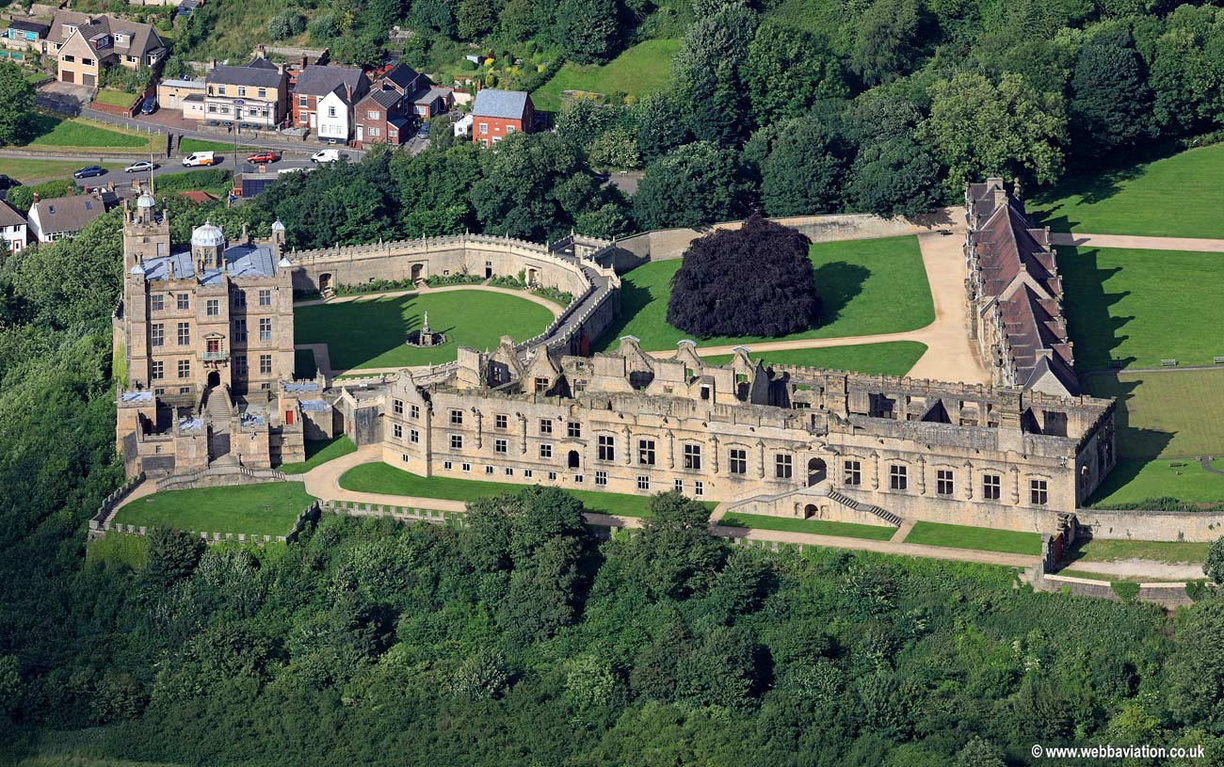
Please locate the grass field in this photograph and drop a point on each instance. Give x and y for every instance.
(1165, 413)
(189, 145)
(115, 98)
(63, 134)
(268, 509)
(813, 526)
(866, 286)
(892, 358)
(319, 452)
(980, 538)
(26, 171)
(1173, 552)
(381, 478)
(1138, 480)
(1178, 196)
(1142, 306)
(370, 333)
(640, 70)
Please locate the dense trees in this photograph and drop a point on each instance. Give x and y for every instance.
(694, 184)
(18, 99)
(752, 281)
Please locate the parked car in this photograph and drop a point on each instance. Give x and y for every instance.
(423, 131)
(7, 182)
(149, 105)
(327, 155)
(263, 157)
(90, 171)
(141, 166)
(196, 159)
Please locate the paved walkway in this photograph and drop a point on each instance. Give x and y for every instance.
(950, 355)
(1199, 244)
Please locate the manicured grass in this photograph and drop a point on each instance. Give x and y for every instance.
(814, 526)
(1173, 552)
(1143, 306)
(319, 452)
(77, 132)
(370, 333)
(640, 70)
(26, 171)
(891, 358)
(189, 145)
(866, 286)
(267, 509)
(381, 478)
(1169, 414)
(1138, 481)
(980, 538)
(1178, 196)
(115, 98)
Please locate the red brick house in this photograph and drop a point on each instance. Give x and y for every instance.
(497, 113)
(315, 84)
(380, 118)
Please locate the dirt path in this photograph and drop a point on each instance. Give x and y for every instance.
(949, 356)
(1198, 244)
(551, 306)
(1142, 568)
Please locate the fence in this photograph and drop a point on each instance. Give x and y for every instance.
(112, 501)
(398, 513)
(99, 529)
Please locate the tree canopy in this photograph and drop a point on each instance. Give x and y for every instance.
(753, 281)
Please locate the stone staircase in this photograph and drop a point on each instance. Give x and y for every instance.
(850, 503)
(219, 410)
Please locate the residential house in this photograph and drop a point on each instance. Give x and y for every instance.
(323, 100)
(12, 228)
(381, 118)
(84, 44)
(60, 217)
(421, 97)
(21, 36)
(497, 113)
(186, 96)
(255, 94)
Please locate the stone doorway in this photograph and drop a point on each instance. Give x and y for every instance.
(574, 459)
(214, 378)
(817, 472)
(325, 282)
(809, 511)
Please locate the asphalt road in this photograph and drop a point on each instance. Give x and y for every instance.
(174, 165)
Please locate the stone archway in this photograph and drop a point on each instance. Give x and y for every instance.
(574, 461)
(533, 277)
(417, 272)
(325, 282)
(214, 378)
(817, 472)
(809, 511)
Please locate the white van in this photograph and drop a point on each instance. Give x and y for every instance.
(196, 159)
(328, 155)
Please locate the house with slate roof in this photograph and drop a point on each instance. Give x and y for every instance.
(13, 227)
(255, 94)
(84, 44)
(497, 113)
(60, 217)
(396, 102)
(1015, 293)
(323, 100)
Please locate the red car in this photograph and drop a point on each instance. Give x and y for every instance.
(262, 157)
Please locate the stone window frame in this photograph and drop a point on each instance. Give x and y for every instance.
(265, 364)
(501, 421)
(456, 417)
(997, 487)
(643, 483)
(456, 442)
(157, 302)
(605, 447)
(157, 334)
(784, 465)
(646, 448)
(1039, 487)
(601, 478)
(852, 468)
(414, 411)
(184, 368)
(397, 431)
(414, 436)
(397, 406)
(691, 456)
(183, 333)
(737, 464)
(950, 479)
(212, 307)
(898, 477)
(501, 446)
(573, 429)
(546, 426)
(182, 301)
(546, 451)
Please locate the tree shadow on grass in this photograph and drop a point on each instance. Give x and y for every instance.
(838, 283)
(633, 298)
(1093, 185)
(37, 125)
(1092, 326)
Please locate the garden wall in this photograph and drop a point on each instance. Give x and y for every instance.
(1152, 525)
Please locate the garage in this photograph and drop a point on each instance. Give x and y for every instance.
(67, 75)
(88, 79)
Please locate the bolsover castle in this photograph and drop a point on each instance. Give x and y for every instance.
(207, 336)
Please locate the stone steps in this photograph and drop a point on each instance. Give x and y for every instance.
(850, 503)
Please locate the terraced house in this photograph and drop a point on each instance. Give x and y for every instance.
(254, 94)
(85, 44)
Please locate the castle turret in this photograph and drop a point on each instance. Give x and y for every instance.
(207, 246)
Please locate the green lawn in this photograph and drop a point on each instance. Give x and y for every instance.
(58, 133)
(866, 286)
(115, 98)
(189, 145)
(319, 452)
(814, 526)
(1173, 552)
(1169, 414)
(891, 358)
(267, 509)
(980, 538)
(640, 70)
(1137, 481)
(381, 478)
(370, 333)
(1178, 196)
(1143, 306)
(26, 171)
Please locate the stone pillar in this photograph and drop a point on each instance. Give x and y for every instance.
(921, 475)
(628, 447)
(714, 455)
(968, 480)
(1015, 486)
(522, 422)
(671, 450)
(760, 459)
(479, 428)
(875, 470)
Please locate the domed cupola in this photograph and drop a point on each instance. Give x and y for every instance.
(207, 246)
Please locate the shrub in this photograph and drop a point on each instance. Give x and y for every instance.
(756, 280)
(22, 197)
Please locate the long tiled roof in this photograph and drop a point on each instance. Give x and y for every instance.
(315, 80)
(248, 75)
(509, 105)
(1018, 278)
(67, 214)
(241, 261)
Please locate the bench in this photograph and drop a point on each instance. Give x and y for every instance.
(1218, 360)
(1168, 363)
